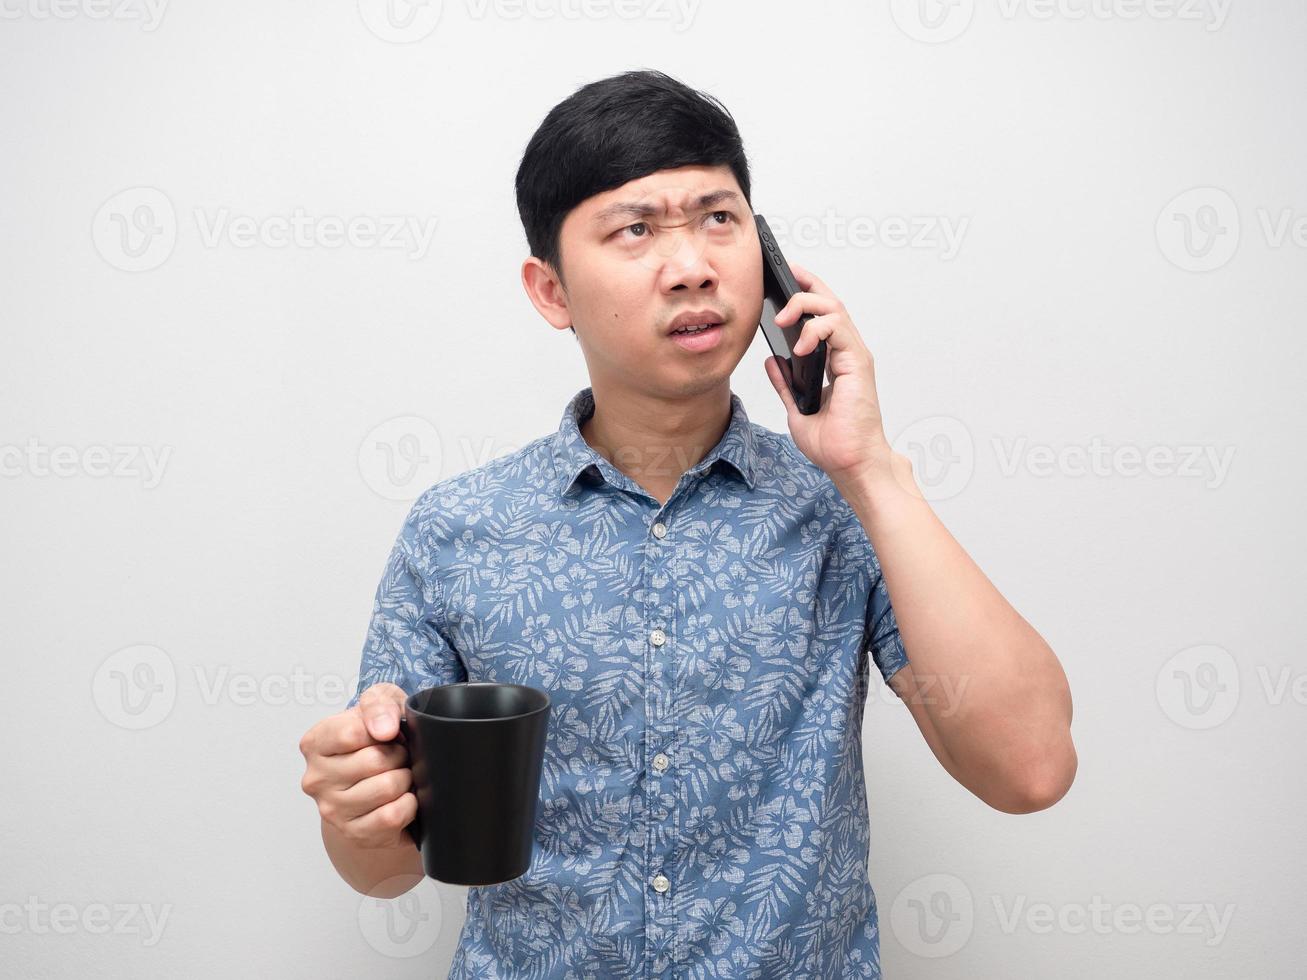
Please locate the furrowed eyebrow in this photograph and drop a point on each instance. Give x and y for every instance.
(633, 209)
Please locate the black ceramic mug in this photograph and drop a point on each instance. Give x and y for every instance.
(476, 750)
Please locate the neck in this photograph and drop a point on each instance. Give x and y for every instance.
(655, 440)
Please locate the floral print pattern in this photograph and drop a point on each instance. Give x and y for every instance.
(702, 808)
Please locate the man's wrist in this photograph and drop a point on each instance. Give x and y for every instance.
(882, 483)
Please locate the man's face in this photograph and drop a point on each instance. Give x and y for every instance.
(637, 257)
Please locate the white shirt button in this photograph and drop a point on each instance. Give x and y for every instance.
(660, 530)
(657, 637)
(661, 884)
(660, 762)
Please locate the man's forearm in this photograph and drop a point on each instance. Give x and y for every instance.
(993, 690)
(383, 872)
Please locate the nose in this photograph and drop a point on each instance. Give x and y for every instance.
(688, 265)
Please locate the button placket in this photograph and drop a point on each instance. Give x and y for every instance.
(659, 811)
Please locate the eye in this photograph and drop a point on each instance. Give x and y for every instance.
(638, 224)
(729, 217)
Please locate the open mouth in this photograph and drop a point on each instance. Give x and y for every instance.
(697, 337)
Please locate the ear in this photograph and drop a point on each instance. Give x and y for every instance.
(546, 293)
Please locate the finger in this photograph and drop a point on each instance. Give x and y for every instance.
(806, 302)
(373, 792)
(382, 705)
(345, 771)
(392, 816)
(809, 282)
(817, 329)
(341, 734)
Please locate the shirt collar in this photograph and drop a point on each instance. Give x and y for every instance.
(573, 456)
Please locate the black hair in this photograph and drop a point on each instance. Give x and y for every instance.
(611, 131)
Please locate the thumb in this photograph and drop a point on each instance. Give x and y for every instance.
(777, 379)
(382, 705)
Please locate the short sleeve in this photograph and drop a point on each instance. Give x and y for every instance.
(880, 630)
(406, 643)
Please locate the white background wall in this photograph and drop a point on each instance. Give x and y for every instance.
(169, 633)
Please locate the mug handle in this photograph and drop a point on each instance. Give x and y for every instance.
(415, 828)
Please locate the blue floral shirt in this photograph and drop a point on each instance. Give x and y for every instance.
(702, 806)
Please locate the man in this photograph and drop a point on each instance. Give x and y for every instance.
(700, 597)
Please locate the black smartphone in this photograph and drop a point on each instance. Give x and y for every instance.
(803, 374)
